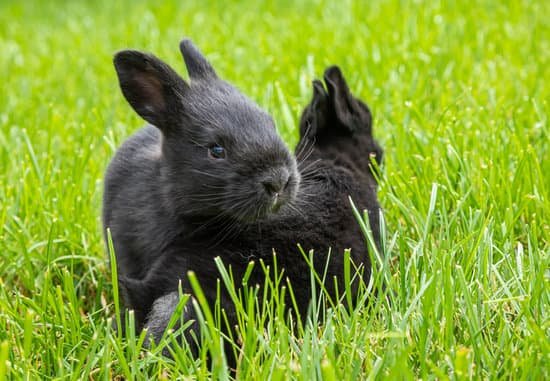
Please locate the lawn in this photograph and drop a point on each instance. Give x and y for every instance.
(459, 92)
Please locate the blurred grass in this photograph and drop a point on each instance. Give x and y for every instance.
(459, 92)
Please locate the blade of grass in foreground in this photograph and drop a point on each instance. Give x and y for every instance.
(4, 364)
(114, 281)
(215, 340)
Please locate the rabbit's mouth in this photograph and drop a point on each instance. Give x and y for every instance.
(274, 205)
(263, 197)
(263, 209)
(277, 203)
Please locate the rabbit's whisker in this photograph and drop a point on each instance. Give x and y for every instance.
(295, 209)
(309, 165)
(239, 203)
(217, 176)
(308, 151)
(304, 140)
(231, 229)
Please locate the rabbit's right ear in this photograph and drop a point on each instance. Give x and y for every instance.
(349, 111)
(197, 64)
(151, 87)
(314, 117)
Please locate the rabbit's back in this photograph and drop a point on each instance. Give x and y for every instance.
(132, 203)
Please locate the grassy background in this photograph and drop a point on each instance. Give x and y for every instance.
(460, 95)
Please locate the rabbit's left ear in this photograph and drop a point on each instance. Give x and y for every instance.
(351, 112)
(197, 65)
(151, 87)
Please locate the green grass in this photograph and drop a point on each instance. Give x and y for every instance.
(459, 93)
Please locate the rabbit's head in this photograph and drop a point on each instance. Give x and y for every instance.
(220, 153)
(337, 114)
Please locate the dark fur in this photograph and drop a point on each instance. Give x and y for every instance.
(171, 208)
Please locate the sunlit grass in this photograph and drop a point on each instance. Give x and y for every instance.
(459, 93)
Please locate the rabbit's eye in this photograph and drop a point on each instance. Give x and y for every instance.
(216, 152)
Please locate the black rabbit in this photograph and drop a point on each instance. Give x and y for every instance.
(210, 177)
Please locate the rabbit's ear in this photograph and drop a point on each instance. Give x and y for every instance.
(315, 114)
(339, 94)
(319, 93)
(197, 65)
(350, 111)
(151, 87)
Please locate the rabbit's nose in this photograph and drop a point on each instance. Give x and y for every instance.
(276, 183)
